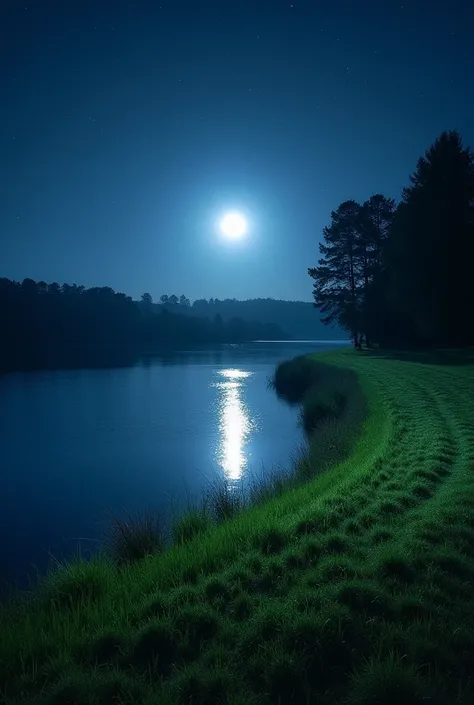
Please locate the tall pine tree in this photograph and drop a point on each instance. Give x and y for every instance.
(352, 258)
(431, 248)
(337, 278)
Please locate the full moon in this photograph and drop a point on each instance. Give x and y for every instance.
(233, 226)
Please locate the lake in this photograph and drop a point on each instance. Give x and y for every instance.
(77, 443)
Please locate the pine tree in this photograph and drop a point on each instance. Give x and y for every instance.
(431, 247)
(337, 278)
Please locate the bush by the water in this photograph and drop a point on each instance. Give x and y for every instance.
(324, 391)
(293, 378)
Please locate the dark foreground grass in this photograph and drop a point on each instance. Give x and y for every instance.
(352, 589)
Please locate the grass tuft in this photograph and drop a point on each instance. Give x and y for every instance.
(336, 543)
(283, 678)
(365, 598)
(191, 524)
(307, 526)
(391, 681)
(156, 649)
(217, 589)
(76, 583)
(201, 687)
(271, 541)
(242, 607)
(399, 569)
(105, 648)
(71, 690)
(224, 501)
(198, 622)
(131, 538)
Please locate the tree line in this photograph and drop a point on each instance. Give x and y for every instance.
(401, 274)
(36, 316)
(170, 302)
(298, 318)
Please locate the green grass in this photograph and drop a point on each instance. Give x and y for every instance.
(352, 588)
(193, 522)
(131, 538)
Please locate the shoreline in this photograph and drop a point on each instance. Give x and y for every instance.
(90, 356)
(369, 560)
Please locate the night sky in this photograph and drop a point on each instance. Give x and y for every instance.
(127, 127)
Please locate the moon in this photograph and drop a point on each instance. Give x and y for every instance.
(233, 226)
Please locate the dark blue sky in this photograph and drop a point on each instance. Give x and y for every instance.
(126, 126)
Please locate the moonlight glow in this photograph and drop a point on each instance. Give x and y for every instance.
(233, 226)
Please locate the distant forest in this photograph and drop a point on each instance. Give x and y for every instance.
(38, 319)
(298, 318)
(401, 275)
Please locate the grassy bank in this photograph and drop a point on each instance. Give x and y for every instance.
(354, 588)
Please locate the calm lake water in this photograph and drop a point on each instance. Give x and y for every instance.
(77, 443)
